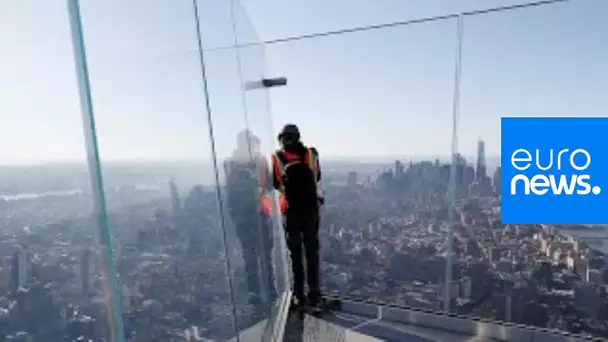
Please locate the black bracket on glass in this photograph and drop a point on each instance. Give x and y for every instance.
(274, 82)
(266, 83)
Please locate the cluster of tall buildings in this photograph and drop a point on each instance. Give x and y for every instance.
(470, 179)
(474, 180)
(16, 269)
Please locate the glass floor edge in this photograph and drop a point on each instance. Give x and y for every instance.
(362, 321)
(359, 321)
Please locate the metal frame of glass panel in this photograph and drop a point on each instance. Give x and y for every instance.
(275, 323)
(110, 278)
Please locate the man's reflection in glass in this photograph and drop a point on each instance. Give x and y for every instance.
(249, 185)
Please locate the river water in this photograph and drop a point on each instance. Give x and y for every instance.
(597, 239)
(33, 195)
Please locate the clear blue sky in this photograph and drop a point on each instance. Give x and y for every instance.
(377, 93)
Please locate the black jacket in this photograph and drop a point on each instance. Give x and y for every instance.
(299, 149)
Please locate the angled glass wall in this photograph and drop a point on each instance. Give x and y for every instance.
(518, 60)
(252, 59)
(377, 104)
(158, 164)
(533, 62)
(56, 274)
(243, 135)
(196, 256)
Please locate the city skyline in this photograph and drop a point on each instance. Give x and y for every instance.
(363, 159)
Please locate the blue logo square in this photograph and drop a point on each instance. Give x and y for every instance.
(554, 170)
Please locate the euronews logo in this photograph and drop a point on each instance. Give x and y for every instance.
(556, 172)
(561, 173)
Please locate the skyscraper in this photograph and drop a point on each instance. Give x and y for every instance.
(175, 201)
(14, 275)
(496, 181)
(5, 278)
(399, 169)
(87, 272)
(20, 268)
(481, 169)
(352, 179)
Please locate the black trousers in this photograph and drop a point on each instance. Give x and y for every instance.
(302, 232)
(255, 235)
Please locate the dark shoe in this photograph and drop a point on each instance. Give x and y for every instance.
(316, 305)
(297, 303)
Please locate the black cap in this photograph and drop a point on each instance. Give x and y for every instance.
(291, 132)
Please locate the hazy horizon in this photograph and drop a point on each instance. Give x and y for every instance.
(60, 177)
(325, 159)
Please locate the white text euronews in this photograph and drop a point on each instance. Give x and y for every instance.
(551, 180)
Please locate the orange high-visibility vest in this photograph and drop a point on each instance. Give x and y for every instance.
(265, 199)
(278, 166)
(266, 205)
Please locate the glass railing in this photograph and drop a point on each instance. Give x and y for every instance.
(54, 273)
(116, 219)
(146, 245)
(539, 61)
(380, 104)
(381, 116)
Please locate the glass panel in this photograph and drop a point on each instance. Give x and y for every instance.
(541, 61)
(278, 19)
(158, 163)
(378, 107)
(244, 140)
(53, 281)
(217, 23)
(252, 60)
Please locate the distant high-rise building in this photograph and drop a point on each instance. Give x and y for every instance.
(458, 159)
(175, 201)
(20, 268)
(196, 218)
(481, 168)
(496, 181)
(5, 277)
(24, 267)
(351, 180)
(87, 272)
(468, 175)
(14, 275)
(399, 169)
(127, 297)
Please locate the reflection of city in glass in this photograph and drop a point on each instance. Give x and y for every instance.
(151, 246)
